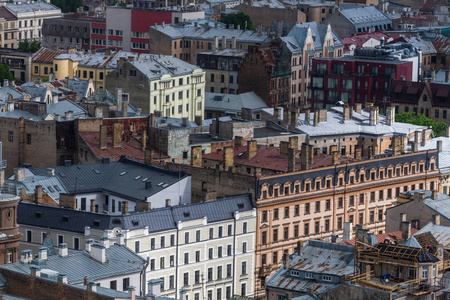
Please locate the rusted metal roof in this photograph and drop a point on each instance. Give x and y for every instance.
(45, 55)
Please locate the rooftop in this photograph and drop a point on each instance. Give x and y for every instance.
(410, 92)
(30, 7)
(444, 156)
(226, 52)
(229, 103)
(441, 205)
(439, 232)
(392, 236)
(369, 15)
(157, 67)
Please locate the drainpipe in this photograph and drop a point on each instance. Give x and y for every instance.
(234, 255)
(144, 277)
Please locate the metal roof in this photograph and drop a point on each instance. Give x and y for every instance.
(157, 67)
(50, 185)
(35, 6)
(369, 15)
(62, 107)
(120, 260)
(444, 156)
(440, 233)
(233, 103)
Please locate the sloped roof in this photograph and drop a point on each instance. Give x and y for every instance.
(369, 15)
(392, 236)
(27, 7)
(45, 55)
(166, 65)
(444, 156)
(439, 232)
(64, 106)
(5, 91)
(233, 103)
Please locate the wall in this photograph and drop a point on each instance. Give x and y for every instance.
(266, 15)
(178, 193)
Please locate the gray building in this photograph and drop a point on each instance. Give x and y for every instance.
(19, 63)
(217, 104)
(346, 22)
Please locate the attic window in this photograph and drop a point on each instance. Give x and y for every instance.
(116, 221)
(62, 174)
(186, 214)
(160, 184)
(123, 173)
(51, 189)
(135, 222)
(65, 218)
(57, 188)
(96, 223)
(240, 205)
(97, 171)
(145, 179)
(38, 214)
(137, 177)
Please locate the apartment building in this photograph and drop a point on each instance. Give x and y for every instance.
(19, 63)
(304, 42)
(185, 42)
(161, 83)
(9, 227)
(30, 17)
(8, 31)
(205, 248)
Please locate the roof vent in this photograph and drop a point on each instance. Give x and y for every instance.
(186, 214)
(135, 222)
(38, 214)
(240, 205)
(96, 223)
(116, 221)
(65, 218)
(123, 173)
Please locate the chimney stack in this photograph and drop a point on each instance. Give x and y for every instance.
(196, 156)
(98, 112)
(419, 196)
(252, 148)
(184, 122)
(228, 157)
(291, 160)
(63, 250)
(284, 146)
(42, 253)
(198, 120)
(216, 43)
(125, 109)
(390, 116)
(38, 194)
(239, 141)
(416, 141)
(120, 239)
(434, 194)
(144, 139)
(437, 219)
(19, 174)
(348, 231)
(357, 152)
(233, 42)
(347, 112)
(406, 230)
(117, 134)
(119, 98)
(293, 142)
(276, 114)
(149, 156)
(98, 252)
(335, 157)
(307, 115)
(125, 205)
(304, 157)
(103, 136)
(286, 117)
(294, 120)
(439, 146)
(316, 118)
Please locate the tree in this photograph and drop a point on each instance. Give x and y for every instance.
(26, 46)
(68, 5)
(413, 118)
(5, 73)
(239, 19)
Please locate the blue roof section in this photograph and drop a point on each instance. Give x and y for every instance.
(160, 219)
(115, 177)
(120, 260)
(412, 242)
(62, 107)
(365, 16)
(5, 91)
(50, 185)
(233, 103)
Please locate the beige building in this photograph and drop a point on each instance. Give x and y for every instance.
(8, 29)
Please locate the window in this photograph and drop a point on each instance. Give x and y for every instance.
(219, 251)
(219, 272)
(275, 214)
(60, 239)
(172, 260)
(309, 275)
(244, 227)
(306, 229)
(230, 230)
(113, 284)
(161, 262)
(210, 274)
(328, 204)
(186, 279)
(125, 283)
(244, 268)
(424, 272)
(10, 136)
(286, 233)
(186, 237)
(296, 231)
(152, 243)
(297, 210)
(275, 235)
(211, 233)
(152, 264)
(229, 270)
(186, 258)
(317, 206)
(286, 212)
(9, 256)
(197, 256)
(29, 238)
(229, 253)
(76, 243)
(210, 253)
(307, 209)
(243, 289)
(317, 227)
(244, 247)
(264, 237)
(137, 246)
(326, 278)
(197, 277)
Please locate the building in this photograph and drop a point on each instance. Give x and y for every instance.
(318, 266)
(231, 105)
(365, 77)
(266, 70)
(9, 229)
(364, 40)
(315, 11)
(19, 63)
(346, 22)
(443, 77)
(161, 83)
(264, 12)
(222, 69)
(115, 267)
(30, 17)
(185, 42)
(206, 248)
(8, 33)
(42, 63)
(304, 42)
(429, 99)
(418, 207)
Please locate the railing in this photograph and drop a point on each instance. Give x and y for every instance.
(405, 286)
(356, 278)
(445, 265)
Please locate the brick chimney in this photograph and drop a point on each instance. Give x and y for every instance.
(284, 146)
(19, 174)
(304, 157)
(124, 207)
(119, 98)
(144, 139)
(436, 219)
(293, 142)
(323, 114)
(103, 140)
(239, 141)
(416, 141)
(149, 156)
(228, 157)
(316, 118)
(335, 157)
(98, 112)
(390, 116)
(419, 196)
(434, 195)
(276, 113)
(291, 160)
(92, 206)
(117, 134)
(196, 156)
(38, 194)
(125, 109)
(294, 120)
(152, 120)
(307, 115)
(346, 114)
(406, 230)
(198, 120)
(252, 148)
(286, 117)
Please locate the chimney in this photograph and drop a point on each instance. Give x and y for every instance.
(357, 152)
(335, 157)
(58, 117)
(291, 160)
(92, 206)
(406, 230)
(154, 287)
(117, 134)
(69, 115)
(42, 253)
(98, 112)
(334, 238)
(372, 117)
(434, 194)
(347, 111)
(98, 252)
(416, 141)
(26, 256)
(286, 261)
(103, 137)
(436, 219)
(62, 278)
(198, 120)
(63, 250)
(228, 157)
(433, 75)
(293, 142)
(252, 148)
(184, 122)
(149, 156)
(316, 118)
(19, 174)
(370, 152)
(447, 131)
(294, 120)
(284, 146)
(125, 205)
(120, 239)
(419, 196)
(125, 109)
(276, 113)
(5, 82)
(304, 157)
(38, 194)
(233, 43)
(397, 144)
(132, 292)
(239, 141)
(390, 116)
(152, 120)
(286, 116)
(196, 156)
(119, 98)
(34, 270)
(348, 231)
(144, 139)
(216, 43)
(439, 146)
(307, 115)
(55, 99)
(88, 245)
(323, 114)
(224, 42)
(299, 248)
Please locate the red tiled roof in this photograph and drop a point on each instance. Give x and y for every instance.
(268, 157)
(45, 55)
(131, 147)
(359, 39)
(393, 236)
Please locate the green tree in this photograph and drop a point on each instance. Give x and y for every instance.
(413, 118)
(5, 73)
(26, 46)
(239, 19)
(68, 5)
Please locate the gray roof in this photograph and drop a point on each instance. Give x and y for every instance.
(412, 242)
(11, 297)
(25, 7)
(440, 77)
(160, 219)
(440, 233)
(35, 91)
(367, 16)
(107, 177)
(62, 107)
(208, 33)
(156, 67)
(441, 205)
(120, 260)
(233, 103)
(295, 40)
(444, 156)
(50, 185)
(5, 91)
(425, 45)
(79, 86)
(16, 114)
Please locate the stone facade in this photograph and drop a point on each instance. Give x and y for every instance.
(9, 244)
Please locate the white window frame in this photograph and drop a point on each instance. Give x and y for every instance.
(326, 278)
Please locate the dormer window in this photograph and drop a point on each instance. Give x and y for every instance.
(309, 275)
(295, 273)
(326, 278)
